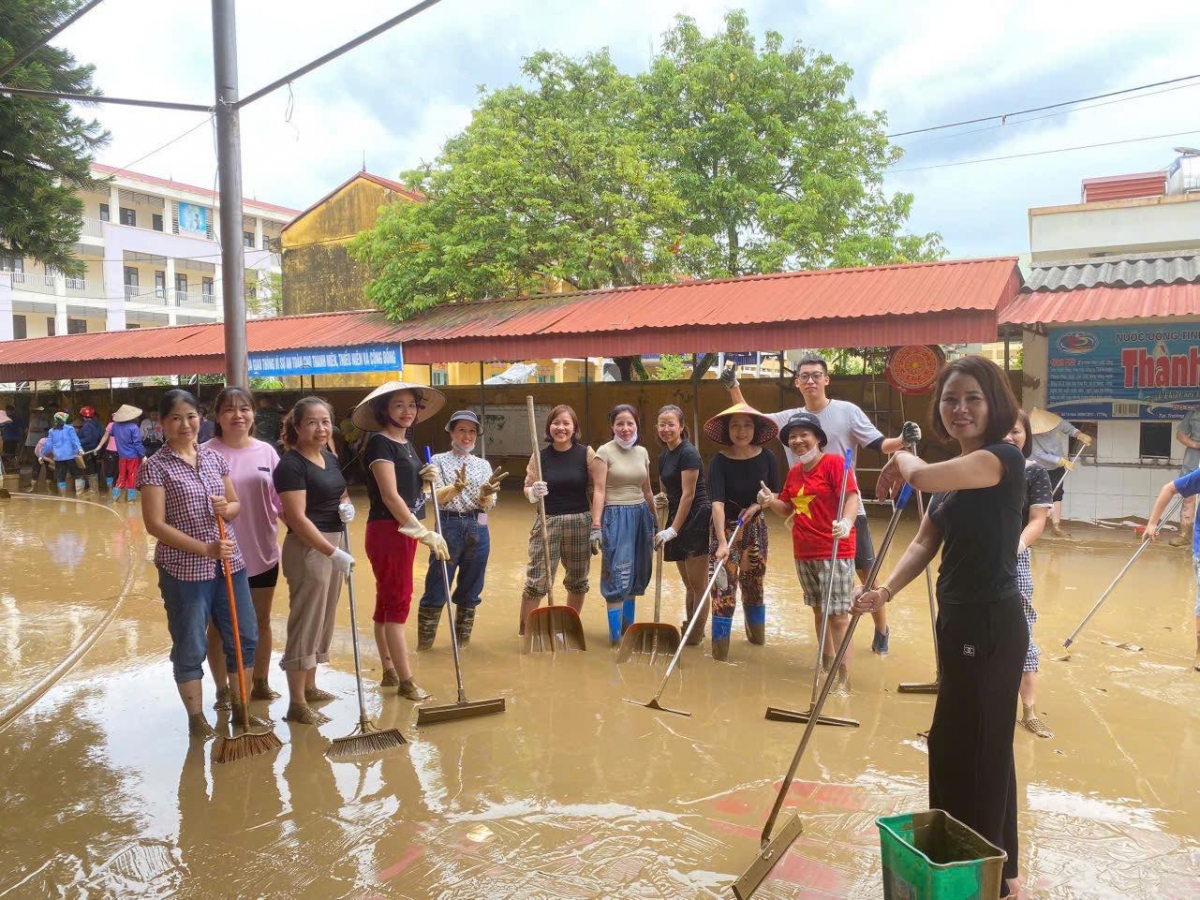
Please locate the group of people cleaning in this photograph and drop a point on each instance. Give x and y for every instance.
(989, 506)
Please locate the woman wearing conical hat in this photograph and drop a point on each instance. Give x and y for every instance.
(123, 430)
(1051, 451)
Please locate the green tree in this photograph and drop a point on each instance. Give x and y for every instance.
(264, 294)
(45, 149)
(672, 367)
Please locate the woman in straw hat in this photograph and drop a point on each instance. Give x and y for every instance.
(1051, 445)
(315, 506)
(394, 527)
(123, 430)
(735, 476)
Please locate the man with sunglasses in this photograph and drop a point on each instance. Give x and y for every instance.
(846, 427)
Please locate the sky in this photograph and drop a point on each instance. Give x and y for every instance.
(394, 101)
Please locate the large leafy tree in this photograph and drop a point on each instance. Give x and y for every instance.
(45, 149)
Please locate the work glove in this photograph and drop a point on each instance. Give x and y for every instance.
(766, 496)
(1064, 463)
(491, 487)
(537, 491)
(841, 529)
(448, 492)
(346, 512)
(667, 534)
(910, 433)
(342, 561)
(1085, 439)
(431, 539)
(594, 537)
(660, 501)
(728, 376)
(429, 474)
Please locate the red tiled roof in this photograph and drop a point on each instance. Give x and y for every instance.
(190, 188)
(1099, 304)
(395, 186)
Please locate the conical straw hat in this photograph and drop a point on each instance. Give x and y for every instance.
(1042, 420)
(431, 401)
(716, 429)
(126, 413)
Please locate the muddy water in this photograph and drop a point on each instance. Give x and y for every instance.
(572, 792)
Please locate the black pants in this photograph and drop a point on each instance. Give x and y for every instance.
(65, 469)
(107, 464)
(981, 648)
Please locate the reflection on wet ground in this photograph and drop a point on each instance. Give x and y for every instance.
(571, 792)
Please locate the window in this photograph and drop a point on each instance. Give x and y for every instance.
(160, 285)
(104, 212)
(76, 326)
(206, 288)
(180, 283)
(50, 329)
(15, 265)
(438, 377)
(131, 325)
(1155, 440)
(248, 239)
(20, 328)
(128, 216)
(131, 283)
(156, 221)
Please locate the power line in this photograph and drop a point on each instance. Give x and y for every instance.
(178, 137)
(1034, 109)
(971, 162)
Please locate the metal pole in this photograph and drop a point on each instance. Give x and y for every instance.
(482, 411)
(229, 165)
(587, 403)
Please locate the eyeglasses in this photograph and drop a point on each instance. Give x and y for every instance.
(810, 376)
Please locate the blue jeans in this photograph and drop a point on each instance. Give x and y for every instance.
(190, 605)
(469, 544)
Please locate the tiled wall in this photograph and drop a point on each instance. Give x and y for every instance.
(1110, 490)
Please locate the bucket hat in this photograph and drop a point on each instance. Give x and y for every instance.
(807, 421)
(126, 413)
(429, 402)
(465, 415)
(1042, 420)
(716, 429)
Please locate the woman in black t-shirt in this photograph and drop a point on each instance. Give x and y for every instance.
(684, 498)
(315, 504)
(735, 476)
(975, 518)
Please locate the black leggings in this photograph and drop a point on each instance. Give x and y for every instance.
(981, 648)
(64, 470)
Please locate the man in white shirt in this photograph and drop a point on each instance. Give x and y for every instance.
(847, 427)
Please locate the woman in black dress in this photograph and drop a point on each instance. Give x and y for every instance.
(975, 518)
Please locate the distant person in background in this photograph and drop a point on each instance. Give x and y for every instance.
(39, 424)
(267, 420)
(207, 426)
(130, 451)
(351, 442)
(1051, 446)
(152, 433)
(12, 432)
(63, 443)
(89, 438)
(1187, 434)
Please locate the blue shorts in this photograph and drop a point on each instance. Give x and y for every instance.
(627, 545)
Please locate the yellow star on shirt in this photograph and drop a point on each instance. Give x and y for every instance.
(802, 501)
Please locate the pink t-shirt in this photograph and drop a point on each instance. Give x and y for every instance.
(250, 470)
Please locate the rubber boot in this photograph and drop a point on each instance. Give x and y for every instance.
(696, 638)
(62, 489)
(116, 492)
(107, 481)
(427, 626)
(81, 486)
(464, 621)
(628, 612)
(131, 495)
(614, 625)
(756, 623)
(722, 627)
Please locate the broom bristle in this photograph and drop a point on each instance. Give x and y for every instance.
(243, 746)
(365, 744)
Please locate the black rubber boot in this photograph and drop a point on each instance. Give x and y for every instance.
(427, 626)
(464, 621)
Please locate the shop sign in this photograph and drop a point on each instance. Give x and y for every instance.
(1144, 372)
(328, 360)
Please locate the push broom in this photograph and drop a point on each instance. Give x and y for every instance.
(464, 708)
(248, 743)
(774, 713)
(926, 687)
(773, 848)
(654, 701)
(366, 739)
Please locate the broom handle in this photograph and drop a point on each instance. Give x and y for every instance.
(537, 463)
(848, 459)
(1067, 471)
(814, 714)
(437, 516)
(937, 660)
(696, 614)
(1170, 510)
(237, 637)
(362, 700)
(659, 521)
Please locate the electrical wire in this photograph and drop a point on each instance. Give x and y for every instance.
(987, 159)
(161, 147)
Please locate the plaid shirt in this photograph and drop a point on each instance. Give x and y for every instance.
(189, 509)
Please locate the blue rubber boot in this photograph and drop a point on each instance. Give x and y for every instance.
(628, 612)
(722, 627)
(614, 626)
(109, 482)
(756, 623)
(62, 489)
(116, 493)
(131, 495)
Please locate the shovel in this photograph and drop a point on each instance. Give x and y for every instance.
(552, 627)
(774, 848)
(655, 640)
(776, 714)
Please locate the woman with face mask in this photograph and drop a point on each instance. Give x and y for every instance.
(466, 491)
(621, 520)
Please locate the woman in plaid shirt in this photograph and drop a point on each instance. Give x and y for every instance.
(184, 488)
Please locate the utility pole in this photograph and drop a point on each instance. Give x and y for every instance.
(229, 166)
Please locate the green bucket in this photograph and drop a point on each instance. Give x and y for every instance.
(933, 856)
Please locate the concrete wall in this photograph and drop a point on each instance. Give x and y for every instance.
(1116, 226)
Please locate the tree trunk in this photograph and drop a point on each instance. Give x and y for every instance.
(625, 364)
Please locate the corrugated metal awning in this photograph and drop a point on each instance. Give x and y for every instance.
(1100, 304)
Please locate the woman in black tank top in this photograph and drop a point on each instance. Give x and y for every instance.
(566, 467)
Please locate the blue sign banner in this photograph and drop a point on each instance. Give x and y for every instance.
(193, 219)
(328, 360)
(1146, 372)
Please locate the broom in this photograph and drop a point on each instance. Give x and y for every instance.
(247, 743)
(365, 739)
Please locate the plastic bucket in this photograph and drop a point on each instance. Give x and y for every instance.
(933, 856)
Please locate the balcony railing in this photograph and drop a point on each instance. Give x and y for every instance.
(91, 227)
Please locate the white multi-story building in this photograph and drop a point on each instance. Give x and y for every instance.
(151, 255)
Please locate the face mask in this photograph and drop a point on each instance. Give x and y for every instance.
(464, 449)
(810, 456)
(626, 445)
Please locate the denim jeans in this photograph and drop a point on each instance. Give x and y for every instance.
(190, 605)
(469, 544)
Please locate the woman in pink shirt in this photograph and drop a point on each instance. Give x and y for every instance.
(251, 464)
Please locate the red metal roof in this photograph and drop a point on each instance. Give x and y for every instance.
(397, 187)
(1124, 187)
(190, 188)
(1098, 304)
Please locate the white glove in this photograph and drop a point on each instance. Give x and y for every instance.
(766, 497)
(537, 491)
(429, 474)
(346, 512)
(431, 539)
(841, 529)
(342, 561)
(667, 534)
